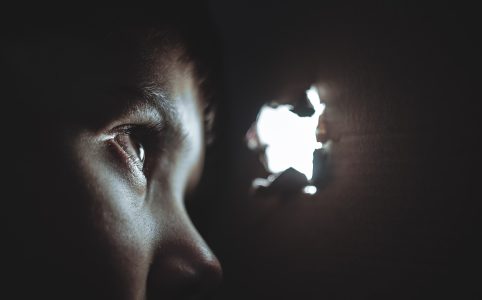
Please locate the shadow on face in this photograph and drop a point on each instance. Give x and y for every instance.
(112, 141)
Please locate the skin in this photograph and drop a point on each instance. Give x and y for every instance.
(95, 218)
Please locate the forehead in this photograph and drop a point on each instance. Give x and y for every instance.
(83, 72)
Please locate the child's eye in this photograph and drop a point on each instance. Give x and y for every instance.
(139, 144)
(133, 147)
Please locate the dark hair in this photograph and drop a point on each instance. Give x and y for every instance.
(45, 52)
(42, 52)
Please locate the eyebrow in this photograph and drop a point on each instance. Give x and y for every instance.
(140, 97)
(159, 99)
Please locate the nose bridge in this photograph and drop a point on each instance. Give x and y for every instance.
(183, 265)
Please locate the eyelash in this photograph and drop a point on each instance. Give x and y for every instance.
(149, 136)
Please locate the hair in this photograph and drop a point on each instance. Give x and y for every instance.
(44, 52)
(41, 54)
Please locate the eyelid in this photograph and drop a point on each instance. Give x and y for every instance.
(148, 135)
(138, 177)
(140, 114)
(151, 135)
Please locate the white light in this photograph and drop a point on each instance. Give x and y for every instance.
(260, 182)
(290, 140)
(310, 190)
(314, 97)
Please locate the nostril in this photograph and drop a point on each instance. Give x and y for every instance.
(210, 274)
(206, 278)
(185, 274)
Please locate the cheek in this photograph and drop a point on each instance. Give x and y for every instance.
(118, 225)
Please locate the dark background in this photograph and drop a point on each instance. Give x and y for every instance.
(397, 217)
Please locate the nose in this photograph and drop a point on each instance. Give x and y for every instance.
(184, 267)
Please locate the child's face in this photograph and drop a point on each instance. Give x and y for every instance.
(110, 220)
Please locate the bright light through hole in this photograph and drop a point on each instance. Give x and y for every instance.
(290, 140)
(310, 190)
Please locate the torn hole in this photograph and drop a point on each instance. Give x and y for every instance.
(289, 138)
